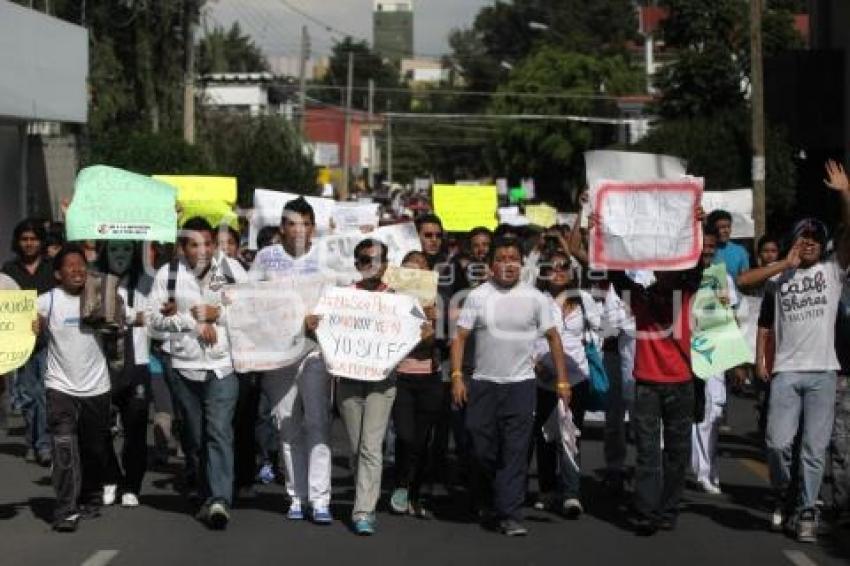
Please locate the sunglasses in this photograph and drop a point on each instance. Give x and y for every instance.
(430, 235)
(368, 260)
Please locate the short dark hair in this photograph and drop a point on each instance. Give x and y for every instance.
(480, 230)
(67, 250)
(500, 243)
(716, 215)
(266, 236)
(766, 239)
(409, 255)
(28, 225)
(233, 232)
(298, 206)
(427, 219)
(136, 268)
(503, 230)
(194, 224)
(710, 230)
(371, 243)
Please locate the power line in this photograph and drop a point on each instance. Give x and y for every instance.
(454, 92)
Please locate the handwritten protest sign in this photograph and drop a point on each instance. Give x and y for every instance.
(268, 208)
(416, 283)
(265, 320)
(355, 217)
(113, 204)
(738, 203)
(630, 166)
(647, 225)
(462, 208)
(364, 335)
(542, 215)
(201, 188)
(716, 341)
(336, 252)
(17, 313)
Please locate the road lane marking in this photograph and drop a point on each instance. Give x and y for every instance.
(100, 558)
(799, 558)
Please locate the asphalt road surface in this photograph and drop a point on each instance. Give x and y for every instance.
(713, 530)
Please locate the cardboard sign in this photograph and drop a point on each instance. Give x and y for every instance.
(194, 188)
(416, 283)
(716, 341)
(268, 208)
(365, 335)
(542, 215)
(265, 320)
(113, 204)
(462, 208)
(647, 225)
(17, 340)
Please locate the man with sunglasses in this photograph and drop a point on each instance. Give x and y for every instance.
(805, 289)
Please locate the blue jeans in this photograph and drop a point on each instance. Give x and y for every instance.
(32, 394)
(813, 393)
(208, 407)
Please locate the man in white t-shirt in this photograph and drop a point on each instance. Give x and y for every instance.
(77, 383)
(806, 289)
(506, 318)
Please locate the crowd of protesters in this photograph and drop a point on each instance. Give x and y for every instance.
(533, 333)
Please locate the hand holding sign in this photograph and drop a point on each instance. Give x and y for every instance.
(18, 327)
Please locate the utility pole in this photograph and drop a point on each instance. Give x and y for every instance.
(372, 160)
(189, 72)
(757, 101)
(389, 147)
(346, 160)
(302, 78)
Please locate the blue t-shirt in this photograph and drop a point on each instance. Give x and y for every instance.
(734, 256)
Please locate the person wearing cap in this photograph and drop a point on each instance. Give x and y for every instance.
(805, 289)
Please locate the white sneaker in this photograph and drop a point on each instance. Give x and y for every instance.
(777, 520)
(572, 508)
(709, 488)
(109, 493)
(129, 500)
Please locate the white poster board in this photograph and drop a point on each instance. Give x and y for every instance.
(355, 217)
(268, 208)
(365, 335)
(336, 252)
(631, 166)
(738, 203)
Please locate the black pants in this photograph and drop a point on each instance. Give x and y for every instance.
(500, 418)
(79, 427)
(244, 431)
(660, 477)
(417, 410)
(547, 452)
(132, 401)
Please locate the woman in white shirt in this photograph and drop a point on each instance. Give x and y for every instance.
(579, 321)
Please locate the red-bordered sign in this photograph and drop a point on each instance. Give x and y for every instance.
(602, 258)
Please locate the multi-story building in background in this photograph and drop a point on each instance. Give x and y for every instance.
(392, 29)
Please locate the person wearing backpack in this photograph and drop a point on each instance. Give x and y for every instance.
(77, 383)
(187, 304)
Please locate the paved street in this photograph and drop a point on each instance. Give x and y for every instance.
(731, 529)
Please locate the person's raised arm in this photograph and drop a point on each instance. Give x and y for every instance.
(756, 277)
(576, 244)
(836, 179)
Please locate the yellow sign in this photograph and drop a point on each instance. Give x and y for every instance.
(541, 214)
(201, 188)
(17, 313)
(415, 283)
(214, 212)
(462, 207)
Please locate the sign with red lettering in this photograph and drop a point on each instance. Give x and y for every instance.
(646, 225)
(365, 335)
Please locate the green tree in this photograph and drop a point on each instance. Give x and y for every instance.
(229, 51)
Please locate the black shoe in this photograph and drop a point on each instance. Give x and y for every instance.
(44, 459)
(645, 527)
(667, 524)
(67, 524)
(512, 528)
(89, 511)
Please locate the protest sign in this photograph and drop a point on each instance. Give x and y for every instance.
(462, 208)
(17, 313)
(647, 225)
(510, 215)
(416, 283)
(568, 218)
(747, 315)
(716, 341)
(268, 208)
(364, 335)
(265, 320)
(738, 203)
(199, 188)
(630, 166)
(516, 195)
(336, 252)
(113, 204)
(355, 217)
(542, 215)
(214, 212)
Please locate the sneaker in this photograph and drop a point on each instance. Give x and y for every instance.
(364, 526)
(109, 493)
(667, 524)
(645, 527)
(707, 487)
(217, 516)
(544, 501)
(67, 524)
(512, 528)
(44, 458)
(266, 474)
(129, 500)
(89, 511)
(572, 508)
(321, 516)
(807, 526)
(399, 501)
(777, 520)
(416, 509)
(295, 513)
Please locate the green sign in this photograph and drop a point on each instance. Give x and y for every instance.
(516, 195)
(113, 204)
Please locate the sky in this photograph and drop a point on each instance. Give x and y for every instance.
(275, 26)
